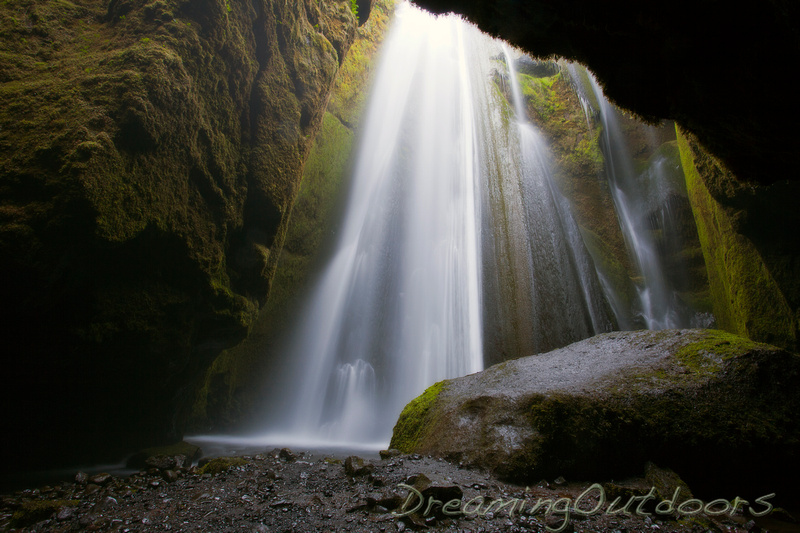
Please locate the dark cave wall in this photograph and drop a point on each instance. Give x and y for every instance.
(150, 152)
(703, 64)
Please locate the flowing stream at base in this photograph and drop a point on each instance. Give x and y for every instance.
(455, 240)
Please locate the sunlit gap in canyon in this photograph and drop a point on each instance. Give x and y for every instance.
(458, 248)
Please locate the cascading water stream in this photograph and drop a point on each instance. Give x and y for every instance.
(659, 307)
(566, 301)
(584, 271)
(398, 307)
(456, 247)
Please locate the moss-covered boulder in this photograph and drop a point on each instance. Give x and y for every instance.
(719, 409)
(150, 154)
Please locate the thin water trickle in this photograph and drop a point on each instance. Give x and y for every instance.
(659, 307)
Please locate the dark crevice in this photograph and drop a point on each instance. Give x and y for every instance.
(364, 8)
(256, 108)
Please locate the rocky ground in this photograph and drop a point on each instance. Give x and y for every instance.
(285, 491)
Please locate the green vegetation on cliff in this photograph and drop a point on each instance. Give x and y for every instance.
(234, 379)
(150, 153)
(746, 298)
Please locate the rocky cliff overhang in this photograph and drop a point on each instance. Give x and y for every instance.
(716, 70)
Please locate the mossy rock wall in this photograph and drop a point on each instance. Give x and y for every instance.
(234, 383)
(748, 237)
(150, 154)
(580, 170)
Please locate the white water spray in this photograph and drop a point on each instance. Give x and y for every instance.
(398, 308)
(455, 241)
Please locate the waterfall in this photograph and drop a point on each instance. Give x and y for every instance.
(457, 248)
(544, 284)
(637, 196)
(398, 307)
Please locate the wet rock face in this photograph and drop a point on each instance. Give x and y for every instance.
(750, 247)
(700, 64)
(149, 155)
(695, 400)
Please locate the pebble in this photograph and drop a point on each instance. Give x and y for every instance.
(65, 513)
(304, 497)
(101, 479)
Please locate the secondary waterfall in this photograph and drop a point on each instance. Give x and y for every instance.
(637, 197)
(542, 290)
(457, 245)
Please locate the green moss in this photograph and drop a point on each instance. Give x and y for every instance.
(413, 424)
(148, 166)
(221, 464)
(705, 356)
(745, 297)
(32, 512)
(230, 383)
(351, 90)
(632, 407)
(569, 428)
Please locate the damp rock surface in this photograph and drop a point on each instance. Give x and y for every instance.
(697, 400)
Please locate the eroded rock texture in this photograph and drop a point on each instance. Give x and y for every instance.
(150, 152)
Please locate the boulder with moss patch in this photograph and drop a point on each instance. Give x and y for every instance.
(699, 401)
(221, 464)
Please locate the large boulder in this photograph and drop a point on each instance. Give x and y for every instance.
(717, 408)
